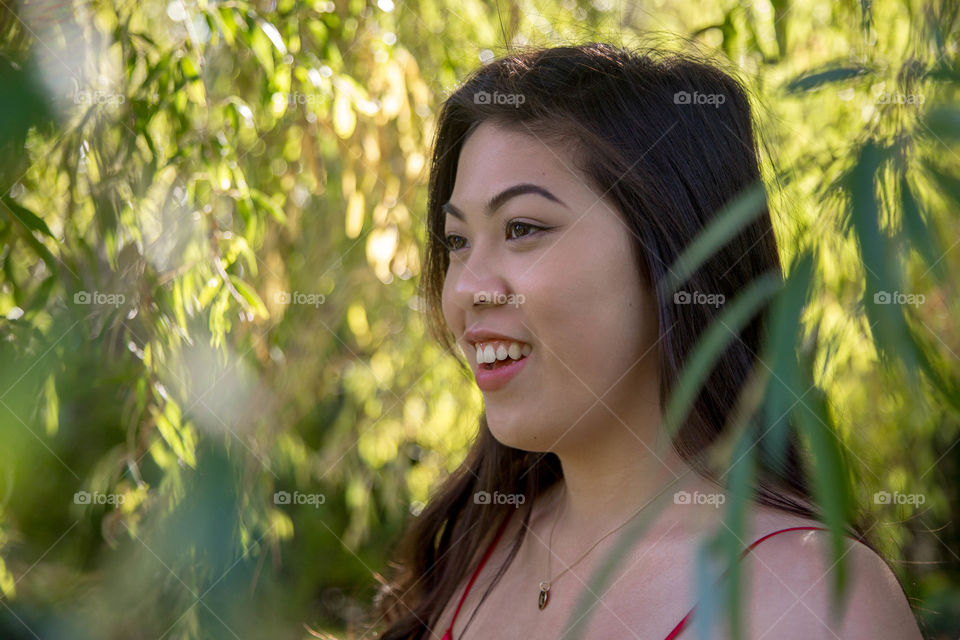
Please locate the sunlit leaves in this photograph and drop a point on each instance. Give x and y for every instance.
(8, 584)
(178, 437)
(250, 296)
(918, 231)
(726, 224)
(259, 153)
(24, 216)
(712, 344)
(831, 74)
(268, 205)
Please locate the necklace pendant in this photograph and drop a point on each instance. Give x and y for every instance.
(544, 595)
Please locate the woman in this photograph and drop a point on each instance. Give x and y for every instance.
(564, 183)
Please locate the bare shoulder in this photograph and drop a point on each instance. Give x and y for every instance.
(789, 578)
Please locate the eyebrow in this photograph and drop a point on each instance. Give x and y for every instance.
(501, 199)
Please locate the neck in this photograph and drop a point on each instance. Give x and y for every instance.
(599, 497)
(612, 475)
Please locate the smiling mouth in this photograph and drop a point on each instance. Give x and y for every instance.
(500, 353)
(501, 363)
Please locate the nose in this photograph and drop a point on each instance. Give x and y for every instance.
(480, 281)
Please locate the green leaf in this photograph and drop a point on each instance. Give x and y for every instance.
(42, 293)
(224, 18)
(831, 483)
(237, 246)
(250, 295)
(219, 323)
(26, 217)
(918, 232)
(265, 202)
(783, 329)
(7, 581)
(892, 335)
(189, 68)
(274, 36)
(829, 75)
(169, 425)
(729, 543)
(712, 344)
(43, 252)
(728, 222)
(179, 303)
(262, 49)
(52, 406)
(209, 290)
(882, 281)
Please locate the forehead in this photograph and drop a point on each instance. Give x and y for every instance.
(495, 157)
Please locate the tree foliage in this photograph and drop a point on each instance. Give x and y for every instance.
(218, 405)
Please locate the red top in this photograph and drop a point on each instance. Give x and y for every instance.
(673, 634)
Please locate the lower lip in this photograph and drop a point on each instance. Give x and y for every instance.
(493, 379)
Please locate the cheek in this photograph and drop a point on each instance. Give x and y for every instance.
(452, 313)
(446, 304)
(589, 313)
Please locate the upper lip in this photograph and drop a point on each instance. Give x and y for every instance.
(479, 334)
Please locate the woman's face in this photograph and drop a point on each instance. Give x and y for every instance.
(555, 265)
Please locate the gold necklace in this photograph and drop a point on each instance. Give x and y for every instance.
(544, 588)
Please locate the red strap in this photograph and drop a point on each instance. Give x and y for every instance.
(686, 619)
(673, 634)
(449, 634)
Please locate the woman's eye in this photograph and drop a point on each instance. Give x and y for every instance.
(522, 228)
(451, 241)
(515, 230)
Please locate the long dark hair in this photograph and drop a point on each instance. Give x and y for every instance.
(670, 160)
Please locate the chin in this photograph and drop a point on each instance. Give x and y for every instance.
(520, 432)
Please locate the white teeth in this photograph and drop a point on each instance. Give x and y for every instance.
(487, 353)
